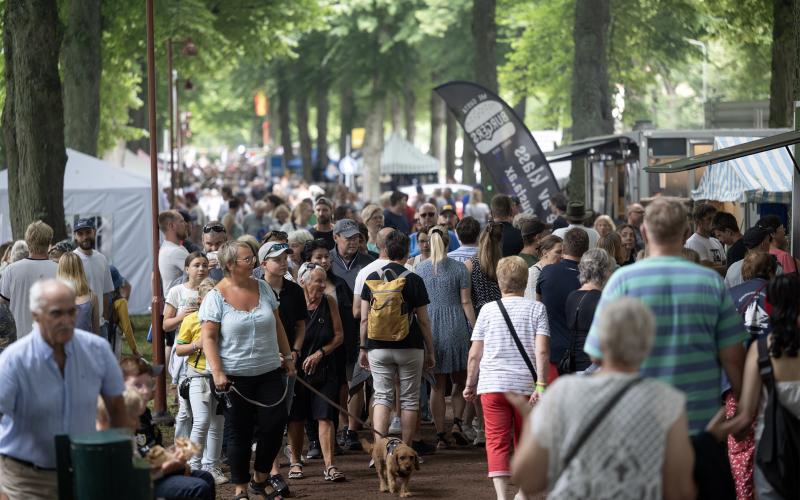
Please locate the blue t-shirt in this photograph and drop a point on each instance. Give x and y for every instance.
(453, 243)
(556, 282)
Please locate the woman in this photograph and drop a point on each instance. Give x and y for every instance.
(297, 241)
(594, 270)
(495, 356)
(246, 346)
(476, 208)
(549, 251)
(451, 315)
(372, 215)
(206, 423)
(280, 216)
(317, 366)
(181, 301)
(424, 242)
(301, 214)
(643, 438)
(612, 244)
(70, 268)
(482, 268)
(782, 293)
(628, 236)
(604, 225)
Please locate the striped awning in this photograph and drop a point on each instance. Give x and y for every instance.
(760, 178)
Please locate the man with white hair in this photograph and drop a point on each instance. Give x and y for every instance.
(698, 328)
(49, 384)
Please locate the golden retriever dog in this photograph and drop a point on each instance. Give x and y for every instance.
(394, 462)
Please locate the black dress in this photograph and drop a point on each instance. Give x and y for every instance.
(579, 309)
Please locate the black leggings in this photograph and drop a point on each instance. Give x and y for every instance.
(243, 417)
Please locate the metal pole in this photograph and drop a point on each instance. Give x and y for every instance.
(160, 404)
(171, 126)
(178, 136)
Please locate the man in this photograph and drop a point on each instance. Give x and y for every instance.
(395, 215)
(95, 265)
(711, 251)
(576, 215)
(323, 229)
(773, 222)
(532, 232)
(726, 230)
(172, 255)
(257, 220)
(187, 242)
(698, 330)
(448, 217)
(346, 260)
(516, 206)
(502, 212)
(19, 277)
(214, 235)
(556, 282)
(49, 384)
(428, 217)
(227, 194)
(468, 229)
(558, 206)
(635, 216)
(755, 239)
(199, 217)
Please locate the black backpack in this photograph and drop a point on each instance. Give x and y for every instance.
(778, 451)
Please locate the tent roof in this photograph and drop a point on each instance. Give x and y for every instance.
(728, 153)
(764, 177)
(401, 157)
(87, 173)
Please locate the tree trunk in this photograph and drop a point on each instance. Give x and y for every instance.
(468, 159)
(438, 116)
(521, 107)
(397, 115)
(301, 109)
(347, 109)
(373, 147)
(410, 112)
(284, 118)
(323, 107)
(451, 133)
(82, 70)
(591, 100)
(33, 116)
(484, 32)
(783, 84)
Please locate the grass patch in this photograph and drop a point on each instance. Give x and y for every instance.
(141, 324)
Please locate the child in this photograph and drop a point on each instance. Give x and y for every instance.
(177, 481)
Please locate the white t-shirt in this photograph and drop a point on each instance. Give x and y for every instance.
(171, 260)
(478, 211)
(15, 285)
(593, 235)
(502, 368)
(709, 249)
(181, 297)
(361, 277)
(98, 274)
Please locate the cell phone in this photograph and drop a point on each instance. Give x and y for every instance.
(212, 256)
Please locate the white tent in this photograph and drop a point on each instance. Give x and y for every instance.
(398, 157)
(120, 200)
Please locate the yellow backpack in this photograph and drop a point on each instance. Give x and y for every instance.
(389, 318)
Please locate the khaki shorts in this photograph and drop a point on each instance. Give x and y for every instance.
(406, 365)
(23, 482)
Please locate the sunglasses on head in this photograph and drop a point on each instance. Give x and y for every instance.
(216, 228)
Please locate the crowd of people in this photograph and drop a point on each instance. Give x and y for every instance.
(637, 346)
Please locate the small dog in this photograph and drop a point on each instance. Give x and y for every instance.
(394, 462)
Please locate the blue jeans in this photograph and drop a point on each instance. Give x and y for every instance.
(200, 485)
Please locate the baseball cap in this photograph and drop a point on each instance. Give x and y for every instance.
(447, 208)
(534, 226)
(273, 249)
(323, 201)
(346, 227)
(87, 223)
(755, 236)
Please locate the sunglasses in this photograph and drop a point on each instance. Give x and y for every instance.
(276, 248)
(428, 214)
(216, 228)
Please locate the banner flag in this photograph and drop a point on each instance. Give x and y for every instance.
(504, 144)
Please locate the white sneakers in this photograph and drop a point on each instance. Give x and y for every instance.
(217, 474)
(480, 438)
(395, 427)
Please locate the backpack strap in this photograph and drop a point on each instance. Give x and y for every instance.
(764, 362)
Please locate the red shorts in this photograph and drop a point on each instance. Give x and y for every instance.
(502, 424)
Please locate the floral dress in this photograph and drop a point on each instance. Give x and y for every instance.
(484, 290)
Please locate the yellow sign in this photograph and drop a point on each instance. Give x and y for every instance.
(357, 138)
(261, 103)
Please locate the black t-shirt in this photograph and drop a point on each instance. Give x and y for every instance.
(579, 322)
(415, 295)
(147, 435)
(512, 240)
(556, 282)
(560, 222)
(399, 222)
(291, 307)
(323, 235)
(736, 252)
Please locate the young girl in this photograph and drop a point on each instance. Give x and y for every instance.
(181, 301)
(70, 268)
(206, 425)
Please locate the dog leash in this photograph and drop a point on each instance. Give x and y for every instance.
(233, 388)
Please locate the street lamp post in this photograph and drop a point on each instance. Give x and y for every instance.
(189, 49)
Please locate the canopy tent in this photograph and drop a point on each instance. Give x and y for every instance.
(120, 200)
(764, 177)
(399, 157)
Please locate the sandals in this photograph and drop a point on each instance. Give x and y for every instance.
(442, 443)
(255, 488)
(458, 433)
(279, 485)
(296, 474)
(241, 496)
(332, 474)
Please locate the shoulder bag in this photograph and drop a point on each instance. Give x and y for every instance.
(517, 340)
(567, 362)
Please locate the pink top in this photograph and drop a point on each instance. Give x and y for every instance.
(784, 259)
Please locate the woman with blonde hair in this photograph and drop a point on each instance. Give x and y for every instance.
(300, 216)
(372, 215)
(70, 268)
(604, 225)
(476, 208)
(451, 314)
(612, 243)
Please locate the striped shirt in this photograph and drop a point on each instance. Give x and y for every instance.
(695, 319)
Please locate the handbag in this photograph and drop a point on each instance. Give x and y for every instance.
(517, 340)
(567, 362)
(183, 389)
